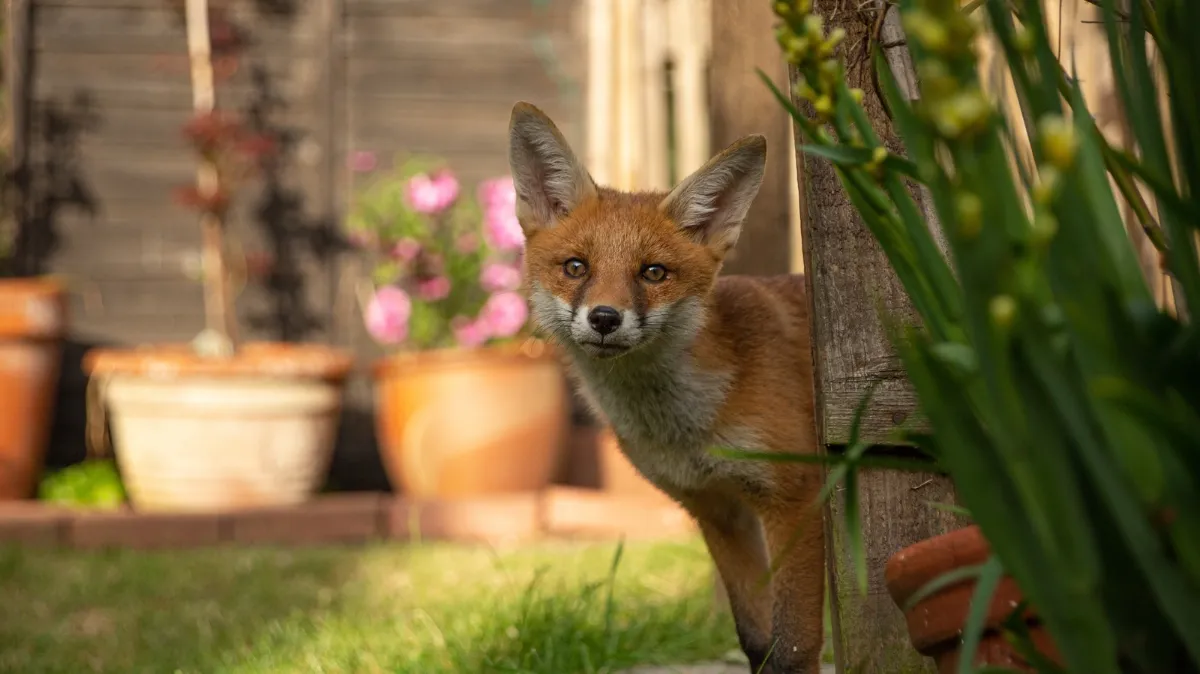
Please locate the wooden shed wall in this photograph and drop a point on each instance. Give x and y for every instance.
(110, 89)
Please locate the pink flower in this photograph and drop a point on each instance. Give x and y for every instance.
(406, 250)
(469, 334)
(499, 199)
(498, 192)
(499, 277)
(432, 194)
(504, 314)
(502, 228)
(387, 315)
(361, 161)
(433, 289)
(467, 243)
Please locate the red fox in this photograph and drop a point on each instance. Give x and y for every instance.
(677, 360)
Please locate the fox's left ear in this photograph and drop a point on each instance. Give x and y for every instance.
(549, 179)
(711, 203)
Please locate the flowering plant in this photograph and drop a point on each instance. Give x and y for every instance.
(446, 268)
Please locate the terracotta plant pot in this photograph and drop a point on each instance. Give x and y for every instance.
(455, 423)
(935, 624)
(202, 434)
(32, 325)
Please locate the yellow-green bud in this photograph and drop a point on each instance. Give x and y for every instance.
(1049, 179)
(1058, 141)
(926, 30)
(823, 105)
(962, 112)
(783, 9)
(1043, 229)
(797, 48)
(970, 214)
(1023, 40)
(879, 154)
(857, 95)
(804, 91)
(814, 26)
(936, 80)
(1003, 309)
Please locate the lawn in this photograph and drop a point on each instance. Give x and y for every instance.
(554, 608)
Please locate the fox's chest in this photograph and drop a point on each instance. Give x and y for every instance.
(666, 423)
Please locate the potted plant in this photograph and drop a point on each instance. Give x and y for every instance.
(934, 582)
(32, 326)
(219, 424)
(1061, 399)
(467, 403)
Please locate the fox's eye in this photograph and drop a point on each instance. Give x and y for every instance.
(654, 273)
(575, 267)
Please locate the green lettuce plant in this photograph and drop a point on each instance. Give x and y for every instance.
(1061, 400)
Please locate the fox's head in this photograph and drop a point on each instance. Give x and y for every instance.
(610, 272)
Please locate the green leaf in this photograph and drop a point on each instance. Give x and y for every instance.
(854, 531)
(858, 156)
(949, 508)
(988, 578)
(945, 580)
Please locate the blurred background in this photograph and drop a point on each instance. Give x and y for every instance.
(102, 88)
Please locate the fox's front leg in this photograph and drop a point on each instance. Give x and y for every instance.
(735, 540)
(795, 535)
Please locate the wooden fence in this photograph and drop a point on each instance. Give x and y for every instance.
(103, 93)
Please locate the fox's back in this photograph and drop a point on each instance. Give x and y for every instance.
(761, 327)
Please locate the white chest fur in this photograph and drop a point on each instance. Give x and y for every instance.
(665, 415)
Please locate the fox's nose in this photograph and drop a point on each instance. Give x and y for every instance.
(604, 320)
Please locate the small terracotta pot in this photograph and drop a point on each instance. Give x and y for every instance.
(198, 434)
(32, 325)
(935, 624)
(463, 422)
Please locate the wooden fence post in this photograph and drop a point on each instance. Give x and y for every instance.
(849, 283)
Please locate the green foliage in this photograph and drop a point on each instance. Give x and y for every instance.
(396, 608)
(1064, 404)
(91, 484)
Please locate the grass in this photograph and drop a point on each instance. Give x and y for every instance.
(430, 608)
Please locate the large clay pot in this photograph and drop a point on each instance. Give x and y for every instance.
(200, 434)
(464, 422)
(32, 325)
(935, 624)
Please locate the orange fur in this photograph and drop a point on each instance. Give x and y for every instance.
(696, 360)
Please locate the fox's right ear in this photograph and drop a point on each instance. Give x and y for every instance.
(549, 179)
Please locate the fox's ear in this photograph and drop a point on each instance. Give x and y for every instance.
(549, 179)
(711, 203)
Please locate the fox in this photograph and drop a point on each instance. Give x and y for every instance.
(676, 359)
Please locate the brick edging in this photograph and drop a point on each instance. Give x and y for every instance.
(354, 518)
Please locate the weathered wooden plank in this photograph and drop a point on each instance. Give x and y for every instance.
(508, 77)
(131, 331)
(103, 71)
(459, 9)
(894, 510)
(742, 105)
(133, 129)
(460, 131)
(850, 282)
(111, 27)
